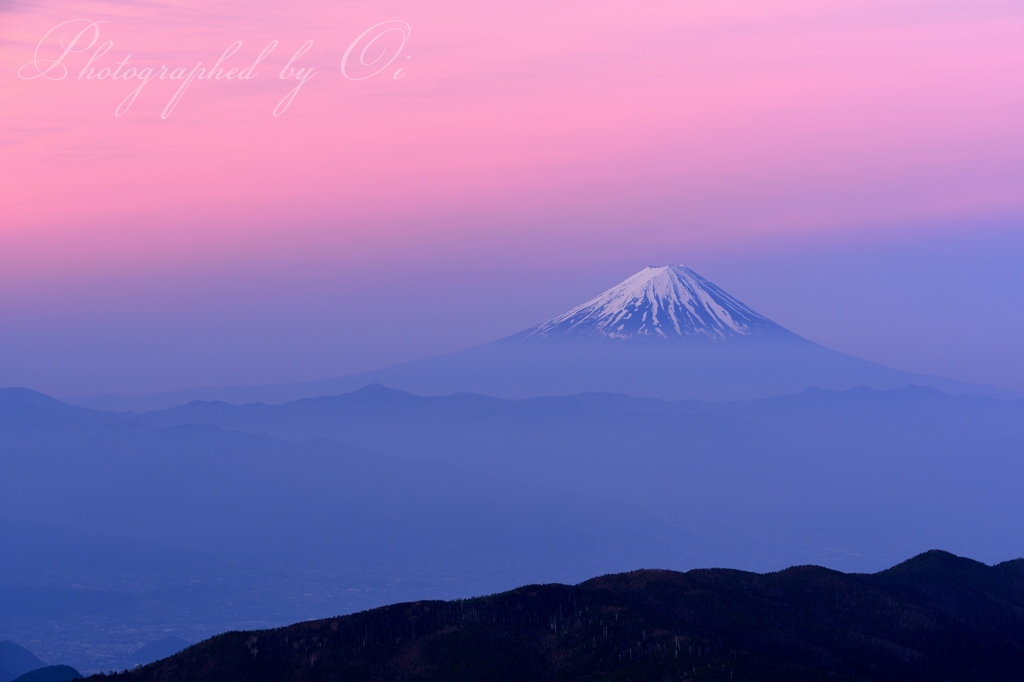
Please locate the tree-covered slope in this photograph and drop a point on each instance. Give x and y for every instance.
(935, 617)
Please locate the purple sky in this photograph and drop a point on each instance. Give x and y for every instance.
(854, 170)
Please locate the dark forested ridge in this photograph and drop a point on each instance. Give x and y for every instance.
(934, 617)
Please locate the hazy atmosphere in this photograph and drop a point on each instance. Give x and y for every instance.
(568, 340)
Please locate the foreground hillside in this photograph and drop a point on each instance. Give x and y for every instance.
(935, 617)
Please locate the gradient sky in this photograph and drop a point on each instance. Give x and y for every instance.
(854, 170)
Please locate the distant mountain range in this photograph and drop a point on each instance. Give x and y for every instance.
(835, 476)
(666, 332)
(843, 477)
(935, 617)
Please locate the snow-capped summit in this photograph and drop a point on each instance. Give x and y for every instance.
(670, 301)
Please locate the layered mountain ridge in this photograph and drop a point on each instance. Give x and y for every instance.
(112, 518)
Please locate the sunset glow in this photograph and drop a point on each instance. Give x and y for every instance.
(588, 134)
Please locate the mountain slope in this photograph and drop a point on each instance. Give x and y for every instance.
(162, 648)
(935, 617)
(16, 661)
(52, 673)
(666, 332)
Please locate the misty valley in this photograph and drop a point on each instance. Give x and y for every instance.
(129, 535)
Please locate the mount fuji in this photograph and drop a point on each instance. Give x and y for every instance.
(668, 302)
(665, 332)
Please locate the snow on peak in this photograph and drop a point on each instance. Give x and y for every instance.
(670, 301)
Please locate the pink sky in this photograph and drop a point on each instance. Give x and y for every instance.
(549, 135)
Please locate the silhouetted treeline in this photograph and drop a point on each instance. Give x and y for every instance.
(935, 617)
